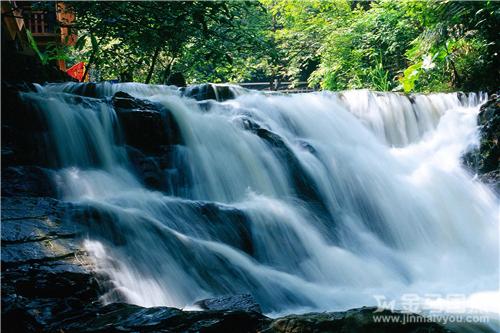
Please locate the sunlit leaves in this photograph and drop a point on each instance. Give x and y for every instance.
(335, 44)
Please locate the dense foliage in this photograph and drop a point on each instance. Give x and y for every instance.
(382, 45)
(393, 45)
(145, 41)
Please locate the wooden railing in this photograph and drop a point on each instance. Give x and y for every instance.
(38, 23)
(282, 87)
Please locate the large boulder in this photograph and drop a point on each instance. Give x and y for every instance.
(152, 140)
(146, 126)
(208, 91)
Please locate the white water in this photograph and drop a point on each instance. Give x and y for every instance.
(373, 201)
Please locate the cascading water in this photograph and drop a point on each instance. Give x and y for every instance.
(307, 201)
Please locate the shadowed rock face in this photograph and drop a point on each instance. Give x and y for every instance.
(146, 126)
(33, 231)
(45, 272)
(151, 136)
(23, 129)
(208, 91)
(485, 159)
(303, 182)
(28, 180)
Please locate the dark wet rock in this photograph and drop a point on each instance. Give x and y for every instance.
(208, 91)
(214, 222)
(122, 100)
(40, 297)
(176, 79)
(145, 125)
(54, 280)
(485, 159)
(17, 86)
(28, 181)
(164, 159)
(200, 92)
(45, 271)
(462, 97)
(87, 89)
(40, 315)
(244, 302)
(143, 129)
(21, 208)
(99, 221)
(206, 105)
(227, 225)
(118, 316)
(29, 230)
(86, 102)
(151, 173)
(164, 169)
(21, 113)
(26, 139)
(23, 128)
(33, 231)
(121, 317)
(307, 146)
(150, 168)
(24, 147)
(39, 251)
(224, 93)
(355, 320)
(303, 182)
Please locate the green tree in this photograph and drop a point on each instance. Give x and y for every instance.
(458, 48)
(159, 36)
(337, 44)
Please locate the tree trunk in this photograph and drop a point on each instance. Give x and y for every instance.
(168, 70)
(153, 62)
(87, 67)
(456, 77)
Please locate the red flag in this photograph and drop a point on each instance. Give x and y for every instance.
(77, 71)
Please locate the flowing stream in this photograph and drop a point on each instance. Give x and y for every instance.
(320, 201)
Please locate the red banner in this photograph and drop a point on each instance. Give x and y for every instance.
(77, 71)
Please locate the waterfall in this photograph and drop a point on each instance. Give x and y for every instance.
(309, 201)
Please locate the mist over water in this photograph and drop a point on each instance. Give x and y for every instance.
(308, 202)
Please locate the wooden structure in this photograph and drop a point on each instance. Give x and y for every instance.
(282, 87)
(48, 22)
